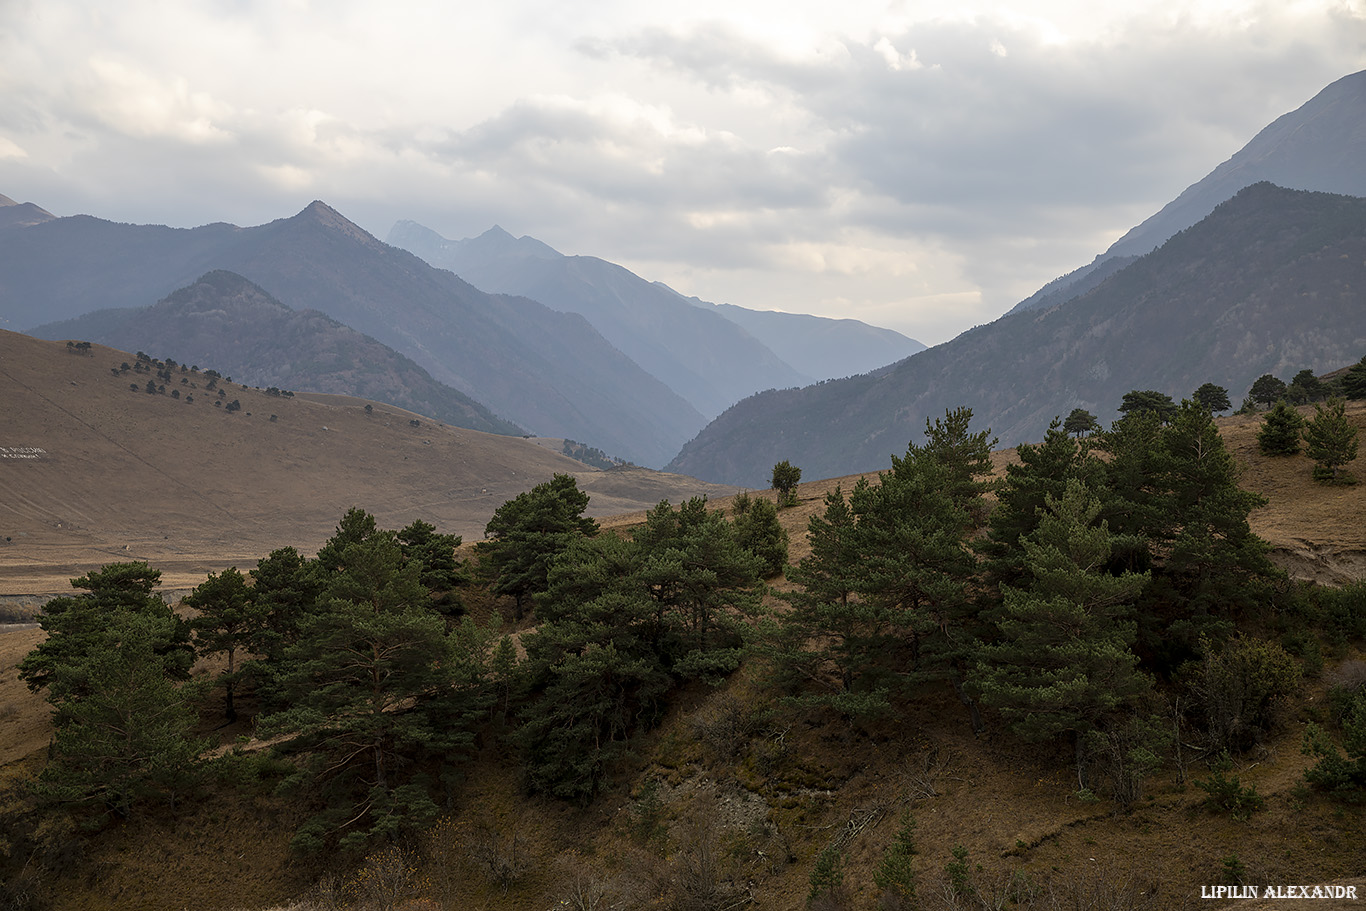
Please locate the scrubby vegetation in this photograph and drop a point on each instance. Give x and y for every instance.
(1102, 609)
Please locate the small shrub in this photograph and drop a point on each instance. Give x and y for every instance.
(895, 876)
(1239, 688)
(1227, 795)
(959, 873)
(1341, 776)
(1235, 873)
(827, 877)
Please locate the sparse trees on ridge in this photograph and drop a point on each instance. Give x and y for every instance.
(1212, 397)
(1080, 422)
(1267, 390)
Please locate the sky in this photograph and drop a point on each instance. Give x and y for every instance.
(921, 165)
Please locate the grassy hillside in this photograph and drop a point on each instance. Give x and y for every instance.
(730, 802)
(192, 487)
(224, 320)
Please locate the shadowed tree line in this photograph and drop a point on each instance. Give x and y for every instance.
(1089, 599)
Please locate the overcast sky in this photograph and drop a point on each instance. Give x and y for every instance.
(918, 165)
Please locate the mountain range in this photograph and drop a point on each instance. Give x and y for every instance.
(548, 371)
(712, 355)
(1270, 282)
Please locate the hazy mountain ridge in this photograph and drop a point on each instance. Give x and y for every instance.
(712, 354)
(1319, 146)
(705, 358)
(1268, 283)
(225, 321)
(548, 371)
(825, 348)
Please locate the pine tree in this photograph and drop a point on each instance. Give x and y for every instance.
(1214, 569)
(1332, 441)
(372, 679)
(621, 622)
(1062, 663)
(526, 534)
(916, 568)
(758, 531)
(1137, 401)
(1080, 422)
(895, 876)
(1042, 471)
(229, 620)
(128, 738)
(1280, 433)
(964, 457)
(1267, 390)
(835, 643)
(1354, 381)
(1212, 398)
(81, 628)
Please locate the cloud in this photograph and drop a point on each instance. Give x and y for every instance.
(918, 164)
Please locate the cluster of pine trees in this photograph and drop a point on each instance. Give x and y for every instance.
(1092, 599)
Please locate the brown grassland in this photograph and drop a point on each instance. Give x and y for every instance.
(723, 790)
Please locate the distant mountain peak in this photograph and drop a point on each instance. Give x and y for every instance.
(21, 214)
(323, 215)
(497, 241)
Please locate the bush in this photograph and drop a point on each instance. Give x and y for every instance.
(786, 477)
(1239, 688)
(827, 878)
(1344, 609)
(1227, 795)
(1341, 776)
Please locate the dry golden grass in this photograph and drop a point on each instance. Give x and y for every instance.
(190, 488)
(193, 489)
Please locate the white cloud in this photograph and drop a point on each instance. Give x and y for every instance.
(921, 164)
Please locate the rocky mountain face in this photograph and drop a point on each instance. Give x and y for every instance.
(711, 355)
(1270, 282)
(225, 322)
(545, 370)
(1319, 146)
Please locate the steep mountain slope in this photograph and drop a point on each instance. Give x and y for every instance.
(93, 471)
(1319, 146)
(550, 372)
(225, 321)
(711, 362)
(705, 358)
(825, 348)
(1268, 283)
